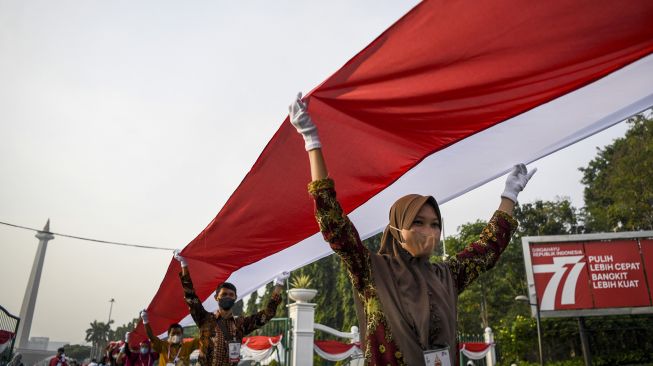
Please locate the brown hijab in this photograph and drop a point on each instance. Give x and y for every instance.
(418, 298)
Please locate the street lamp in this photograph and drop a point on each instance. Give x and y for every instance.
(537, 319)
(110, 308)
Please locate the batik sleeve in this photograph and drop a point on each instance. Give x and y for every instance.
(158, 345)
(194, 304)
(341, 234)
(255, 321)
(482, 254)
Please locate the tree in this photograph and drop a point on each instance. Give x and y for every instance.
(618, 192)
(489, 301)
(78, 352)
(252, 306)
(238, 308)
(98, 334)
(121, 331)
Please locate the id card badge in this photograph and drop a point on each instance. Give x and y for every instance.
(234, 352)
(437, 357)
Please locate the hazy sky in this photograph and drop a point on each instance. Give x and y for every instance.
(134, 121)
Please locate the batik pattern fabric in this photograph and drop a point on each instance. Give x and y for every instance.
(178, 355)
(484, 253)
(340, 233)
(213, 344)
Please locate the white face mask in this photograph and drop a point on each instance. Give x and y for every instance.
(175, 339)
(145, 350)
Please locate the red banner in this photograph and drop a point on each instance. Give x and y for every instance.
(616, 274)
(561, 280)
(592, 274)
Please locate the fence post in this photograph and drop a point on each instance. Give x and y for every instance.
(491, 357)
(302, 315)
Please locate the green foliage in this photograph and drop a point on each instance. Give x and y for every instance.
(547, 218)
(490, 298)
(238, 308)
(489, 301)
(621, 340)
(263, 301)
(515, 339)
(301, 281)
(77, 351)
(252, 306)
(618, 189)
(121, 331)
(99, 334)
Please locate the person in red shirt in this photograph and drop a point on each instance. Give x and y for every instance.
(59, 359)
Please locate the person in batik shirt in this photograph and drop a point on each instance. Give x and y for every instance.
(406, 306)
(219, 329)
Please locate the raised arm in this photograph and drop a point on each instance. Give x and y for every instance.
(301, 120)
(482, 254)
(125, 350)
(335, 226)
(156, 342)
(257, 320)
(195, 307)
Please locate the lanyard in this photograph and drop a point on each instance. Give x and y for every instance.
(225, 334)
(177, 356)
(149, 358)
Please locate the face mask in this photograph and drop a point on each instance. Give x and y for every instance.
(145, 350)
(63, 355)
(416, 243)
(175, 339)
(226, 303)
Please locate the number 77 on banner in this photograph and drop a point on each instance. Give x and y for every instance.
(559, 267)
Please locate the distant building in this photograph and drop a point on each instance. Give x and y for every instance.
(44, 344)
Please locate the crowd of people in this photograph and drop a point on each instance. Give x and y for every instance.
(220, 332)
(218, 343)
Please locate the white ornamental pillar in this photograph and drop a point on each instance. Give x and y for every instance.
(491, 357)
(302, 315)
(32, 290)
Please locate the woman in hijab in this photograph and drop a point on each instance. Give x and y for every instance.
(406, 305)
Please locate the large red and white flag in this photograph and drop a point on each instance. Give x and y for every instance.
(448, 98)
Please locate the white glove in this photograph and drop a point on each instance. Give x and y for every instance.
(181, 259)
(300, 118)
(516, 181)
(281, 278)
(144, 316)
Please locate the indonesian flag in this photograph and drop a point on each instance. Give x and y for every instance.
(337, 351)
(448, 98)
(261, 348)
(475, 350)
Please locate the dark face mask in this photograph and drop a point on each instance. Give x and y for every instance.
(226, 303)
